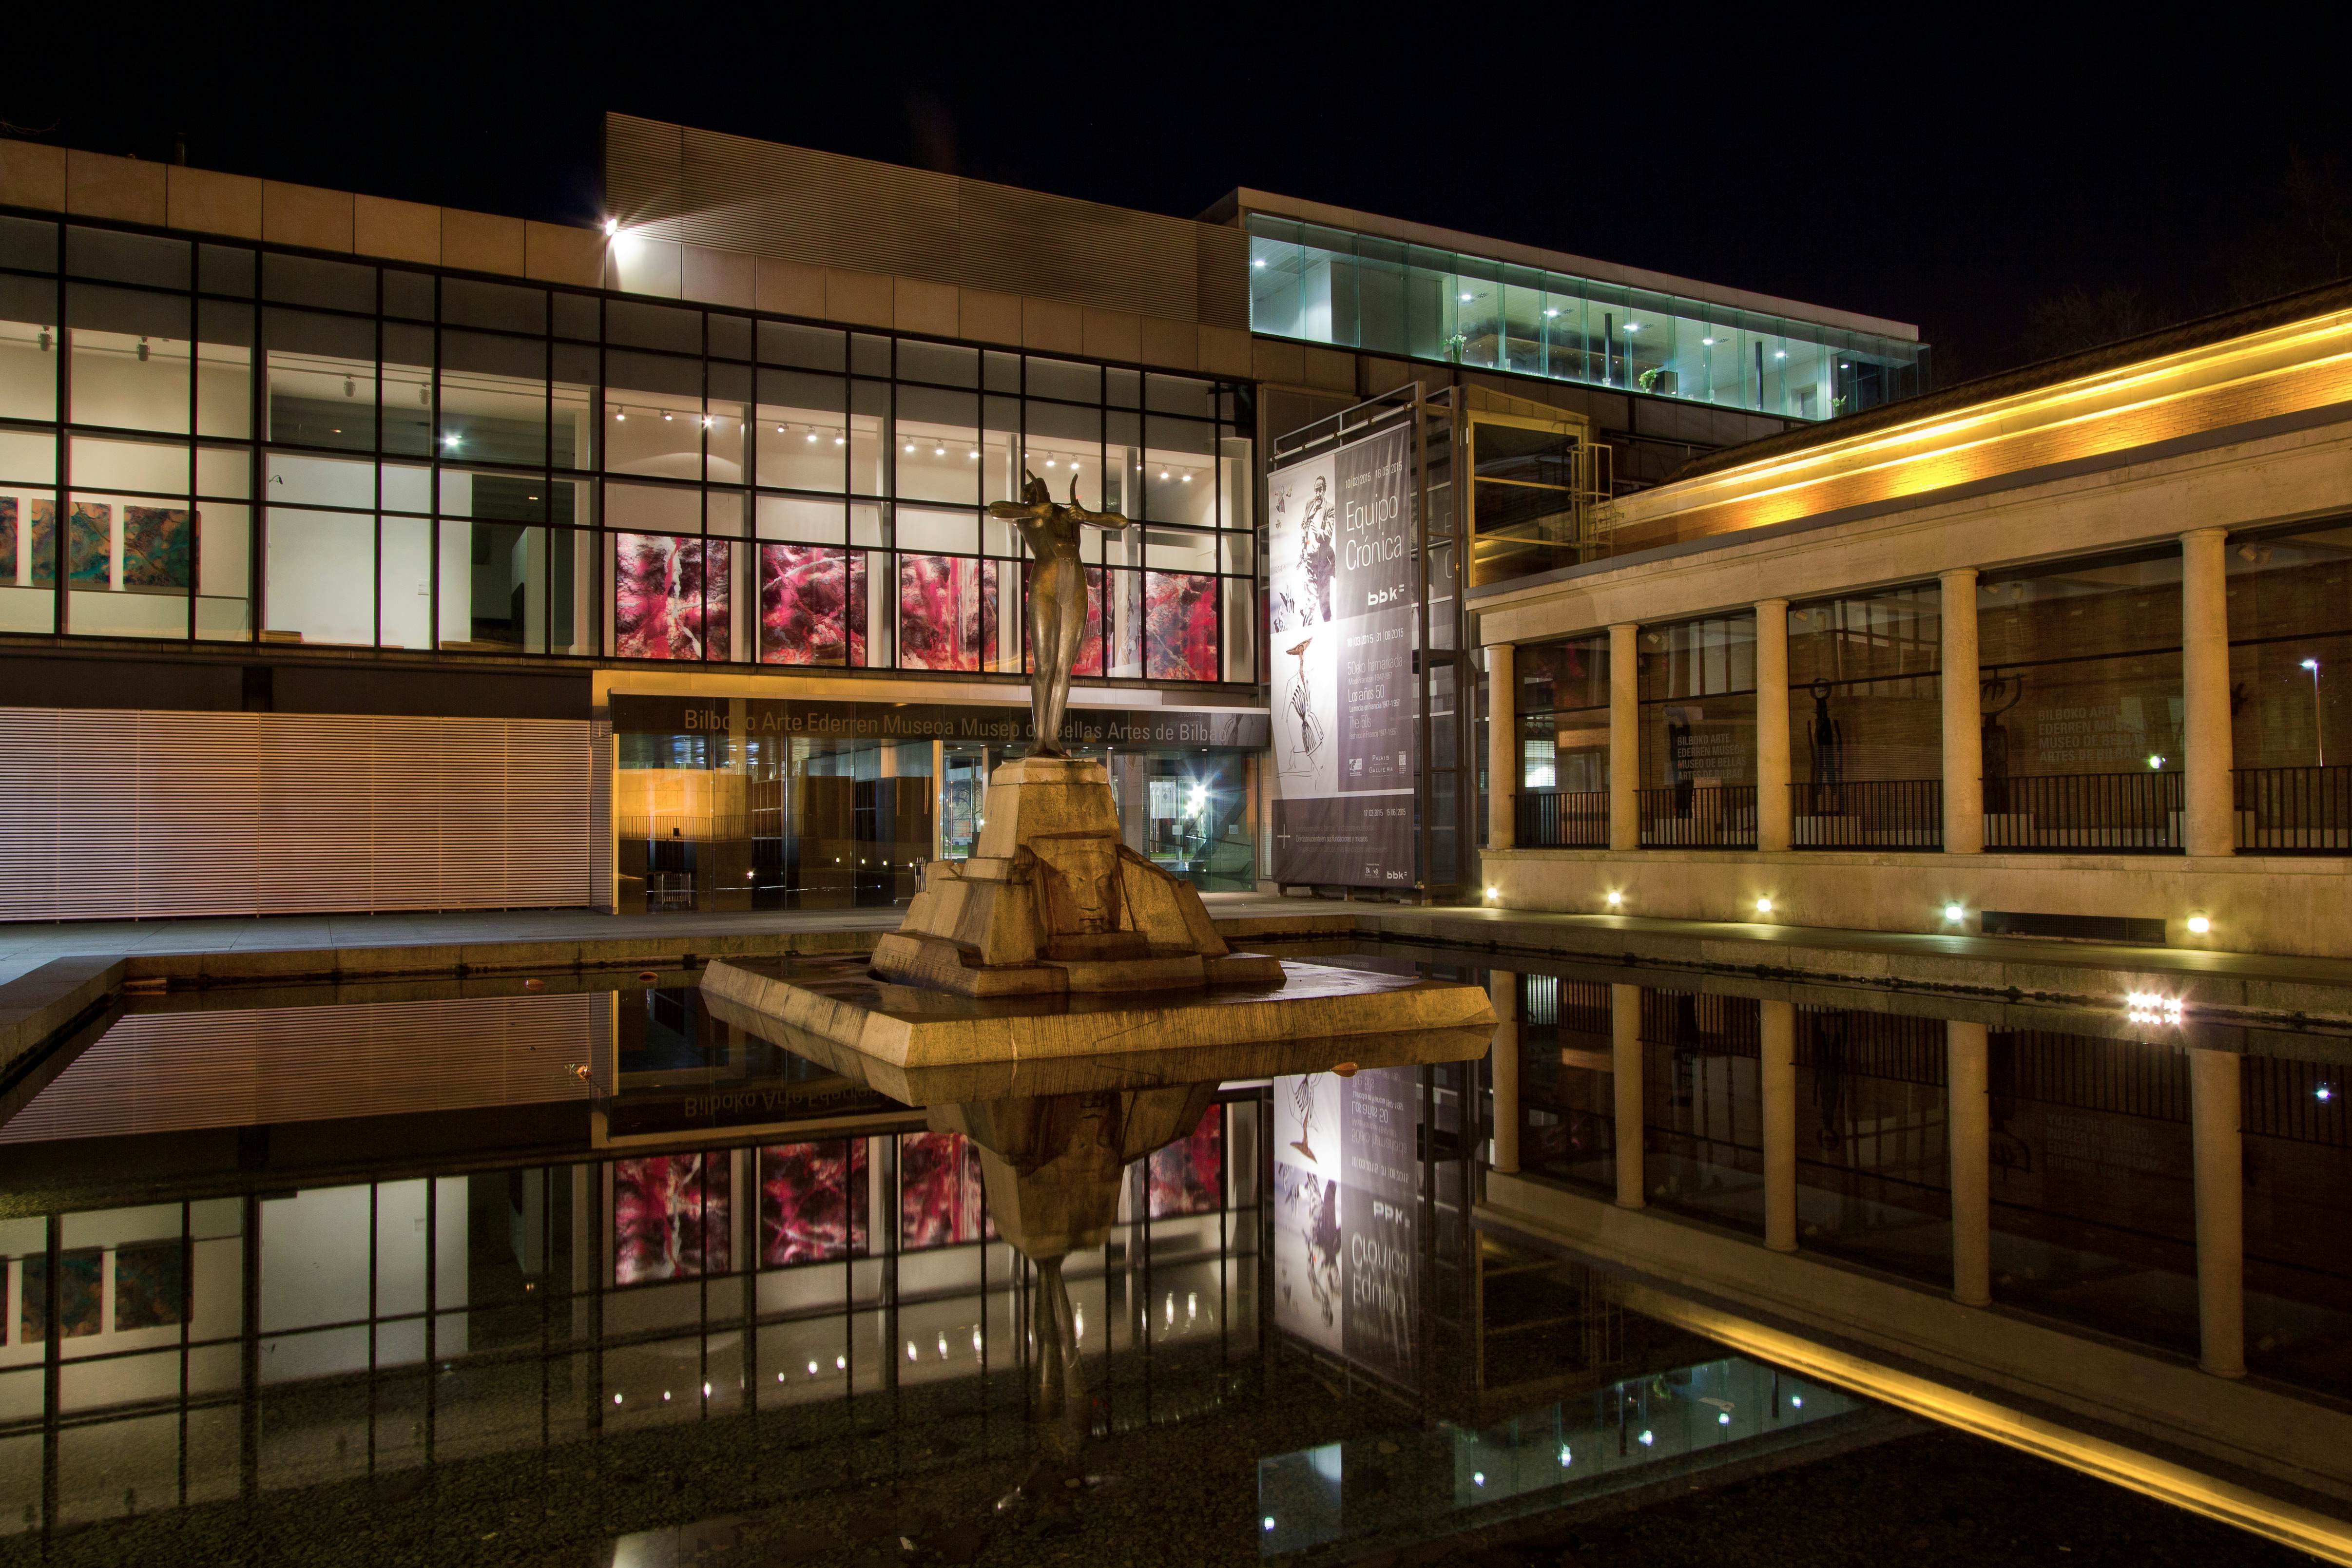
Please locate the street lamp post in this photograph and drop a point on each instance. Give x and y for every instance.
(2318, 730)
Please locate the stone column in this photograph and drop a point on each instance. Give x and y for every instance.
(1967, 1114)
(1963, 724)
(2206, 757)
(1504, 988)
(1626, 1051)
(1778, 1073)
(1502, 773)
(2221, 1212)
(1772, 724)
(1624, 742)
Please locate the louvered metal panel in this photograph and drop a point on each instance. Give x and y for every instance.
(141, 814)
(600, 843)
(824, 209)
(162, 1072)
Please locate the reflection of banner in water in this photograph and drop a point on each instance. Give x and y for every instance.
(1347, 1216)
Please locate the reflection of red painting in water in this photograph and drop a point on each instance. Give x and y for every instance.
(1180, 612)
(1184, 1174)
(812, 1201)
(1090, 647)
(939, 1190)
(669, 597)
(670, 1217)
(812, 605)
(940, 601)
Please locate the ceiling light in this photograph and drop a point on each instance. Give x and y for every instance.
(2312, 665)
(1260, 261)
(1466, 299)
(619, 417)
(911, 446)
(939, 452)
(1631, 327)
(1185, 479)
(1708, 341)
(666, 416)
(1163, 473)
(347, 386)
(975, 454)
(1780, 353)
(840, 440)
(1553, 311)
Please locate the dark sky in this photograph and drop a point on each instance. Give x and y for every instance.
(1960, 168)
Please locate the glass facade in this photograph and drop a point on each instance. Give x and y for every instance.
(1384, 295)
(203, 441)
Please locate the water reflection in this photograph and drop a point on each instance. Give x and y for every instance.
(399, 1276)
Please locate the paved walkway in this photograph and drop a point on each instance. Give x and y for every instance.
(1857, 953)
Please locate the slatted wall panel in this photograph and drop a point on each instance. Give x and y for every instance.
(167, 1072)
(600, 845)
(135, 814)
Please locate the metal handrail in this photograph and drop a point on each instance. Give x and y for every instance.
(1561, 818)
(1867, 814)
(1698, 816)
(2292, 810)
(2112, 813)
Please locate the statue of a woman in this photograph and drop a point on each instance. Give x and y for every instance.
(1057, 598)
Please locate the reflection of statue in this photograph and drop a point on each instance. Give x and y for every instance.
(1993, 741)
(1828, 736)
(1057, 598)
(1830, 1087)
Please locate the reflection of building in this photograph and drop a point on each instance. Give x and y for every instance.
(358, 522)
(2059, 652)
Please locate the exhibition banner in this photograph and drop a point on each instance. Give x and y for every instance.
(1342, 613)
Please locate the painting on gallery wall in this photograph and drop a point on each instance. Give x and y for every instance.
(1185, 1177)
(157, 548)
(81, 1288)
(41, 543)
(1180, 613)
(1090, 647)
(671, 597)
(150, 1289)
(812, 1201)
(812, 605)
(670, 1215)
(943, 602)
(939, 1190)
(7, 540)
(89, 545)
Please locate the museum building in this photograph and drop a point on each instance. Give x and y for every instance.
(2058, 652)
(360, 555)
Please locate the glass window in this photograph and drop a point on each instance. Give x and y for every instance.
(869, 355)
(493, 399)
(28, 349)
(318, 481)
(925, 529)
(572, 431)
(224, 572)
(131, 359)
(869, 447)
(667, 509)
(28, 243)
(1179, 472)
(729, 336)
(321, 380)
(2081, 669)
(320, 578)
(225, 269)
(653, 415)
(130, 565)
(804, 431)
(578, 316)
(493, 587)
(225, 471)
(151, 259)
(408, 389)
(405, 590)
(1069, 383)
(941, 363)
(224, 369)
(29, 559)
(1181, 626)
(1696, 681)
(672, 597)
(471, 302)
(409, 295)
(130, 466)
(946, 612)
(808, 348)
(939, 446)
(1865, 701)
(1064, 443)
(643, 325)
(722, 423)
(310, 281)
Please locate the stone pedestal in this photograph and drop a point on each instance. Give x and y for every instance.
(1054, 903)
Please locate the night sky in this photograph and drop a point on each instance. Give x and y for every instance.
(2014, 183)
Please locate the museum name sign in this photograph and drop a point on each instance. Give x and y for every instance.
(977, 725)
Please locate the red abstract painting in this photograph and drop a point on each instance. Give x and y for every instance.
(670, 1215)
(812, 605)
(939, 1199)
(671, 597)
(812, 1200)
(1180, 612)
(939, 603)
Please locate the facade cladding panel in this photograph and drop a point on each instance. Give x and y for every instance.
(792, 203)
(141, 814)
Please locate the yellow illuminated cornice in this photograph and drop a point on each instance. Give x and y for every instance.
(2284, 369)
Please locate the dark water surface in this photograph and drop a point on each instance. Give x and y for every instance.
(439, 1274)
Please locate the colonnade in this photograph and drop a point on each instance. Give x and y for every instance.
(2215, 1130)
(2209, 828)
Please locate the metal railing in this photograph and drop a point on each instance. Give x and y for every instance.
(2292, 810)
(1562, 820)
(2113, 813)
(1867, 814)
(1698, 816)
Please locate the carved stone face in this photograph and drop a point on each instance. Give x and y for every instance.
(1081, 881)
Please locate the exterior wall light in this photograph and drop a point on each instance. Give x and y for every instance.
(2199, 926)
(1763, 906)
(612, 227)
(2151, 1006)
(1493, 891)
(1616, 899)
(1954, 913)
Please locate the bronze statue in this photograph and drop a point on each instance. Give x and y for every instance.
(1057, 597)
